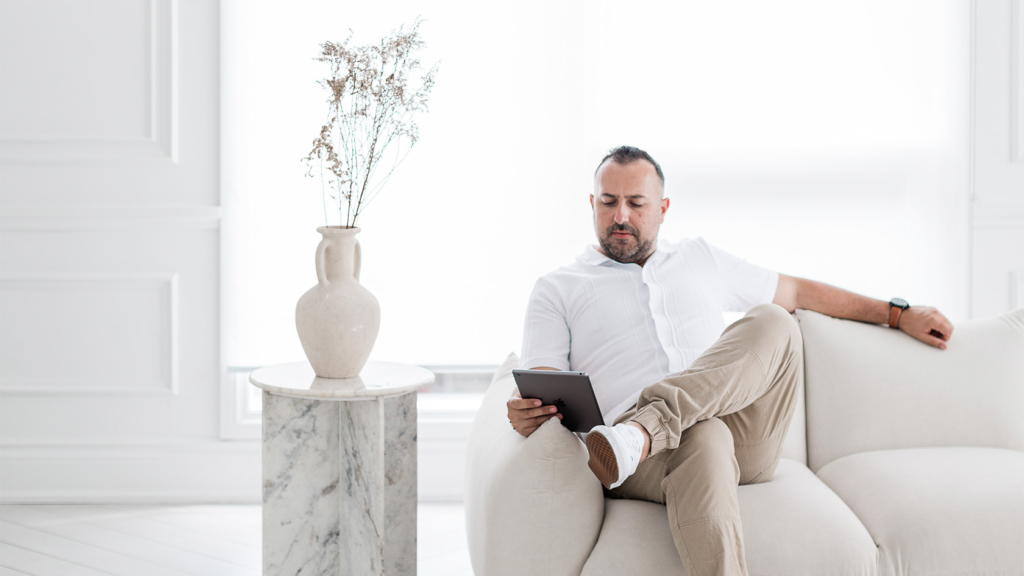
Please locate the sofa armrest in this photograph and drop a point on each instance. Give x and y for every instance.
(532, 504)
(869, 387)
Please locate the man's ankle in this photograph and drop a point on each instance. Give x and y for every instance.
(647, 439)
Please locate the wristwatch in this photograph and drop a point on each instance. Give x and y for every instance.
(896, 308)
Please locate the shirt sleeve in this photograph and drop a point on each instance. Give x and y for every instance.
(546, 337)
(744, 285)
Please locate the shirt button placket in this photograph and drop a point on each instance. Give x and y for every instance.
(662, 323)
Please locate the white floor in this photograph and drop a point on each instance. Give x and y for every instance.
(89, 540)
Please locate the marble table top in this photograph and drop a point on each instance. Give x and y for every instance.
(378, 379)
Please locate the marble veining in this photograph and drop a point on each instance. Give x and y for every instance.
(362, 524)
(339, 486)
(400, 490)
(300, 486)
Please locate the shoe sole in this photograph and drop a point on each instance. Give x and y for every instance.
(602, 459)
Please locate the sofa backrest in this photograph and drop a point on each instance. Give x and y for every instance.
(869, 387)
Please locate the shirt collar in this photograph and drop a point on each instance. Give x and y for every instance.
(593, 256)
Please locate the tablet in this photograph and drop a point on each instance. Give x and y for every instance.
(570, 392)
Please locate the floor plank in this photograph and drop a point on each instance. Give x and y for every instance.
(175, 540)
(160, 546)
(36, 564)
(70, 549)
(210, 525)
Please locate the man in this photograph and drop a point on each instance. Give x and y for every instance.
(634, 309)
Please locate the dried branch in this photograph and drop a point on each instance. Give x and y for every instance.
(372, 104)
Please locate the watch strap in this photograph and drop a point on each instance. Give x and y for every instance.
(894, 316)
(896, 308)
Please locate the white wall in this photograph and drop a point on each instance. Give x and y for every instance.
(823, 139)
(110, 197)
(997, 242)
(109, 255)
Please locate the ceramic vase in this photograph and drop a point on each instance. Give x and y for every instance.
(337, 319)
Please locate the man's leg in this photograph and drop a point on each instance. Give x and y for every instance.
(760, 353)
(752, 375)
(697, 483)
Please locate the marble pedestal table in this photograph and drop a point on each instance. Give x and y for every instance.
(339, 470)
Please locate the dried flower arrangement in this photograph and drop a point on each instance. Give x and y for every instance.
(372, 111)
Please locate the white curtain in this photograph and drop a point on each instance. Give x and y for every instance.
(826, 140)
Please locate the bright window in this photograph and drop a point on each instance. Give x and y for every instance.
(823, 139)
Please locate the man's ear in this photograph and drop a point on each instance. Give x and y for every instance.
(591, 201)
(664, 208)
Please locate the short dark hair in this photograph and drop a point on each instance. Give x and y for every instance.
(628, 155)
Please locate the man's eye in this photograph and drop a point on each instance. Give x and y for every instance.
(608, 203)
(634, 205)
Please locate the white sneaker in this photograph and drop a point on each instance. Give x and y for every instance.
(614, 452)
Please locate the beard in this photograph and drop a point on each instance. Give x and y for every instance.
(628, 251)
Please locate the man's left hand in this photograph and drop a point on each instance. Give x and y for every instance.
(927, 325)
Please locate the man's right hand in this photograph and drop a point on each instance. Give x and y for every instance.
(526, 414)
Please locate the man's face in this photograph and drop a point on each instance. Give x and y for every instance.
(628, 210)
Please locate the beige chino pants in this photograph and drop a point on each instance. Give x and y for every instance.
(719, 424)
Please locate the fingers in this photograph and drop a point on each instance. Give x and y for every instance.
(929, 326)
(528, 426)
(528, 408)
(527, 414)
(934, 341)
(939, 329)
(536, 412)
(945, 326)
(523, 404)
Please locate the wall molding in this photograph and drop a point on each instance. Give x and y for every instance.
(987, 216)
(140, 449)
(168, 381)
(1017, 81)
(1016, 290)
(136, 472)
(209, 471)
(107, 218)
(162, 141)
(240, 416)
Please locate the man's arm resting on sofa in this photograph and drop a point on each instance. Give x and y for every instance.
(526, 414)
(922, 322)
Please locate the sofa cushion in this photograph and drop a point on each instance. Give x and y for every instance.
(792, 525)
(532, 504)
(869, 387)
(938, 510)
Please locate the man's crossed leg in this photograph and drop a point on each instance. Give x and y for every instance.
(719, 424)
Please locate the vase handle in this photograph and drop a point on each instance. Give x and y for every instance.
(358, 260)
(321, 262)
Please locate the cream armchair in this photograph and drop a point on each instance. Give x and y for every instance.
(901, 460)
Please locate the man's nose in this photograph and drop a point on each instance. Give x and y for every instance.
(622, 215)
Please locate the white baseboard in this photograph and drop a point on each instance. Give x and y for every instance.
(209, 471)
(199, 472)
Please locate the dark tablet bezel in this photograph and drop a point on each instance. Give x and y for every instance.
(572, 392)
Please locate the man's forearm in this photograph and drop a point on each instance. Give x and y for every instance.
(922, 322)
(810, 295)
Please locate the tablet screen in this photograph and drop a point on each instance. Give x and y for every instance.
(570, 392)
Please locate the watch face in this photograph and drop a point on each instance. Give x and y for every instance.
(899, 303)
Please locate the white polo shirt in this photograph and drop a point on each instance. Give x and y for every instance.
(629, 326)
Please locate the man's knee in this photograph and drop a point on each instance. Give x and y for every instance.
(775, 320)
(710, 441)
(711, 433)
